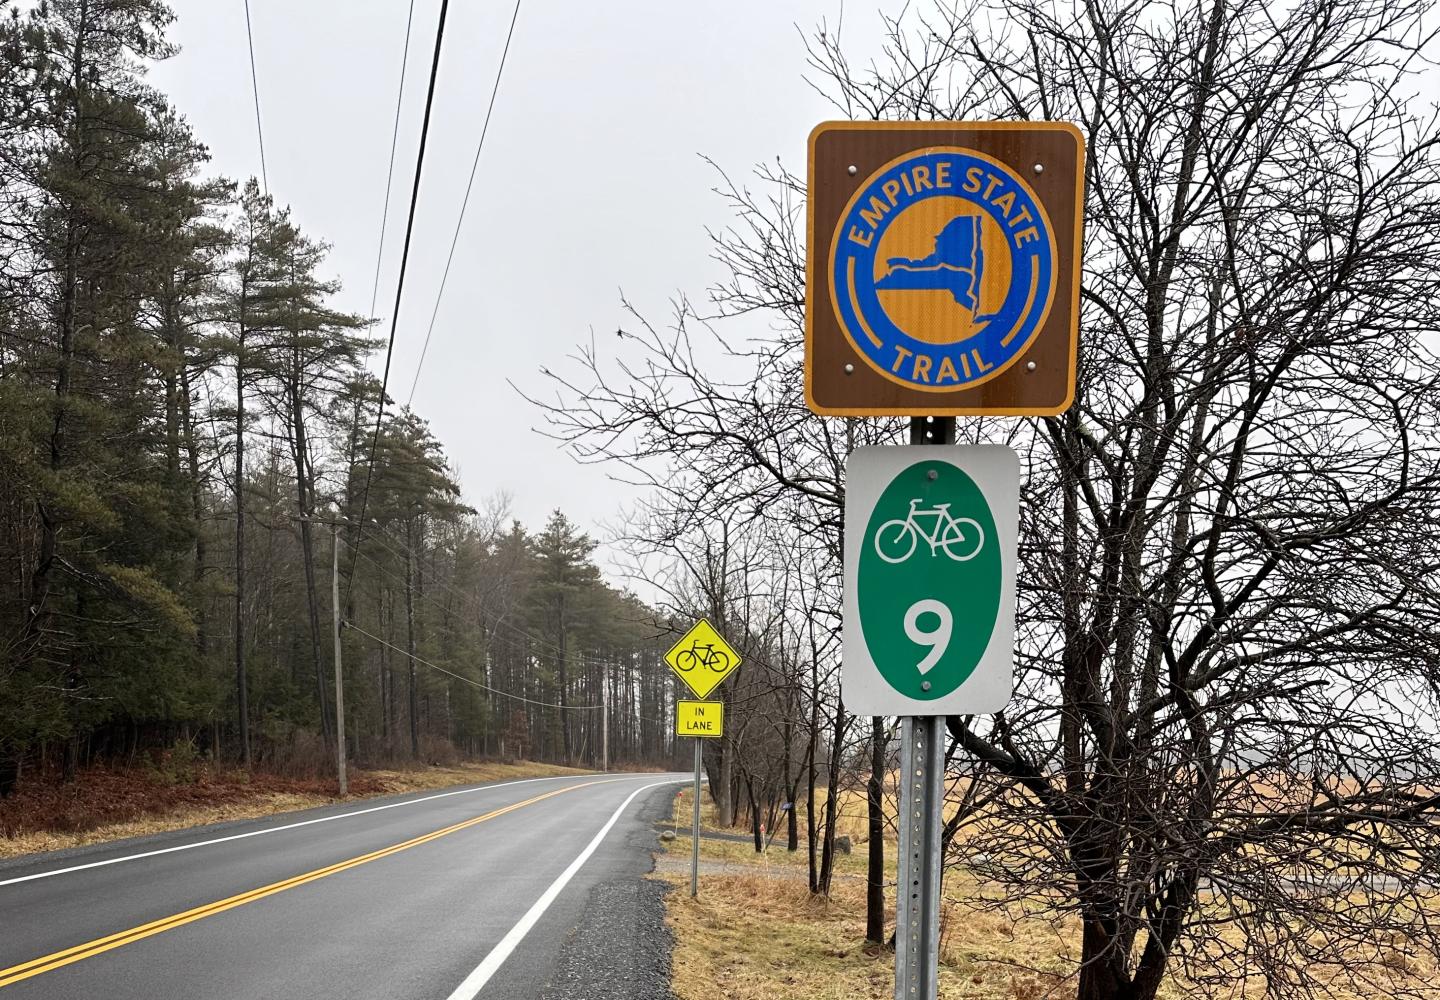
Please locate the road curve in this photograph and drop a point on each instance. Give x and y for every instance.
(470, 892)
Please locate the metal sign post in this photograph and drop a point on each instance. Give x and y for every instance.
(929, 609)
(917, 909)
(922, 801)
(942, 278)
(695, 830)
(703, 720)
(701, 659)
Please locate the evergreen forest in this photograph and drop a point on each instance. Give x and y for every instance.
(192, 446)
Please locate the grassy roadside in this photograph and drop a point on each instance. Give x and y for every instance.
(755, 933)
(105, 804)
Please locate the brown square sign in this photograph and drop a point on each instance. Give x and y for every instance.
(942, 273)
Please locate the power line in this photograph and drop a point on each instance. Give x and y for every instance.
(504, 694)
(590, 659)
(390, 172)
(494, 90)
(255, 89)
(401, 550)
(399, 285)
(467, 680)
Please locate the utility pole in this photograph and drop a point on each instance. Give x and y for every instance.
(335, 525)
(339, 674)
(604, 718)
(242, 684)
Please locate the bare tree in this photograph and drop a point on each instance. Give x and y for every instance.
(719, 452)
(1222, 751)
(1222, 754)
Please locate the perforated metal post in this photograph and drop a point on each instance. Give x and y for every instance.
(922, 795)
(917, 911)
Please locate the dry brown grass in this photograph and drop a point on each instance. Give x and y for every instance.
(102, 804)
(178, 818)
(464, 774)
(757, 934)
(850, 816)
(763, 937)
(752, 937)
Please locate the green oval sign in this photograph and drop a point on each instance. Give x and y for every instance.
(929, 580)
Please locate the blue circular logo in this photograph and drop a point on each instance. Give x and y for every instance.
(942, 269)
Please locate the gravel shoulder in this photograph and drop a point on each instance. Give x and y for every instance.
(621, 949)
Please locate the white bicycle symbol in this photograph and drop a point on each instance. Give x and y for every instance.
(896, 540)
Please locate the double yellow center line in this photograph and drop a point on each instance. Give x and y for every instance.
(90, 949)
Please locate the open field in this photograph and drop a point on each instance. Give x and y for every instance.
(105, 804)
(755, 932)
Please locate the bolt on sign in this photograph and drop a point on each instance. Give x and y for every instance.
(700, 718)
(929, 601)
(943, 268)
(702, 659)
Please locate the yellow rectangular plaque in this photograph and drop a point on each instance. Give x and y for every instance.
(700, 718)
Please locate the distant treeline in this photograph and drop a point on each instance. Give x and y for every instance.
(184, 416)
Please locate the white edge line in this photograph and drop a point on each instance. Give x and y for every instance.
(287, 826)
(477, 979)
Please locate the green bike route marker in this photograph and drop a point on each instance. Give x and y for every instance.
(929, 603)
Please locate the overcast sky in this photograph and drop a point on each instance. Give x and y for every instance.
(590, 181)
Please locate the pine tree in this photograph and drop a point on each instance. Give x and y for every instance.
(172, 377)
(251, 307)
(79, 412)
(563, 573)
(307, 356)
(411, 483)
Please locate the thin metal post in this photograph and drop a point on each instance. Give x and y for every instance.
(695, 830)
(922, 797)
(339, 673)
(917, 911)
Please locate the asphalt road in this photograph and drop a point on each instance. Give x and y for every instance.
(525, 889)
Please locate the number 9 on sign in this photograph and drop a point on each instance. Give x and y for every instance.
(937, 638)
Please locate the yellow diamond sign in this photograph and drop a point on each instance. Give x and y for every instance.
(702, 659)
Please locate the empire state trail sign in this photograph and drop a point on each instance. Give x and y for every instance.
(942, 272)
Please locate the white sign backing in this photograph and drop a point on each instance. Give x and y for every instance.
(930, 562)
